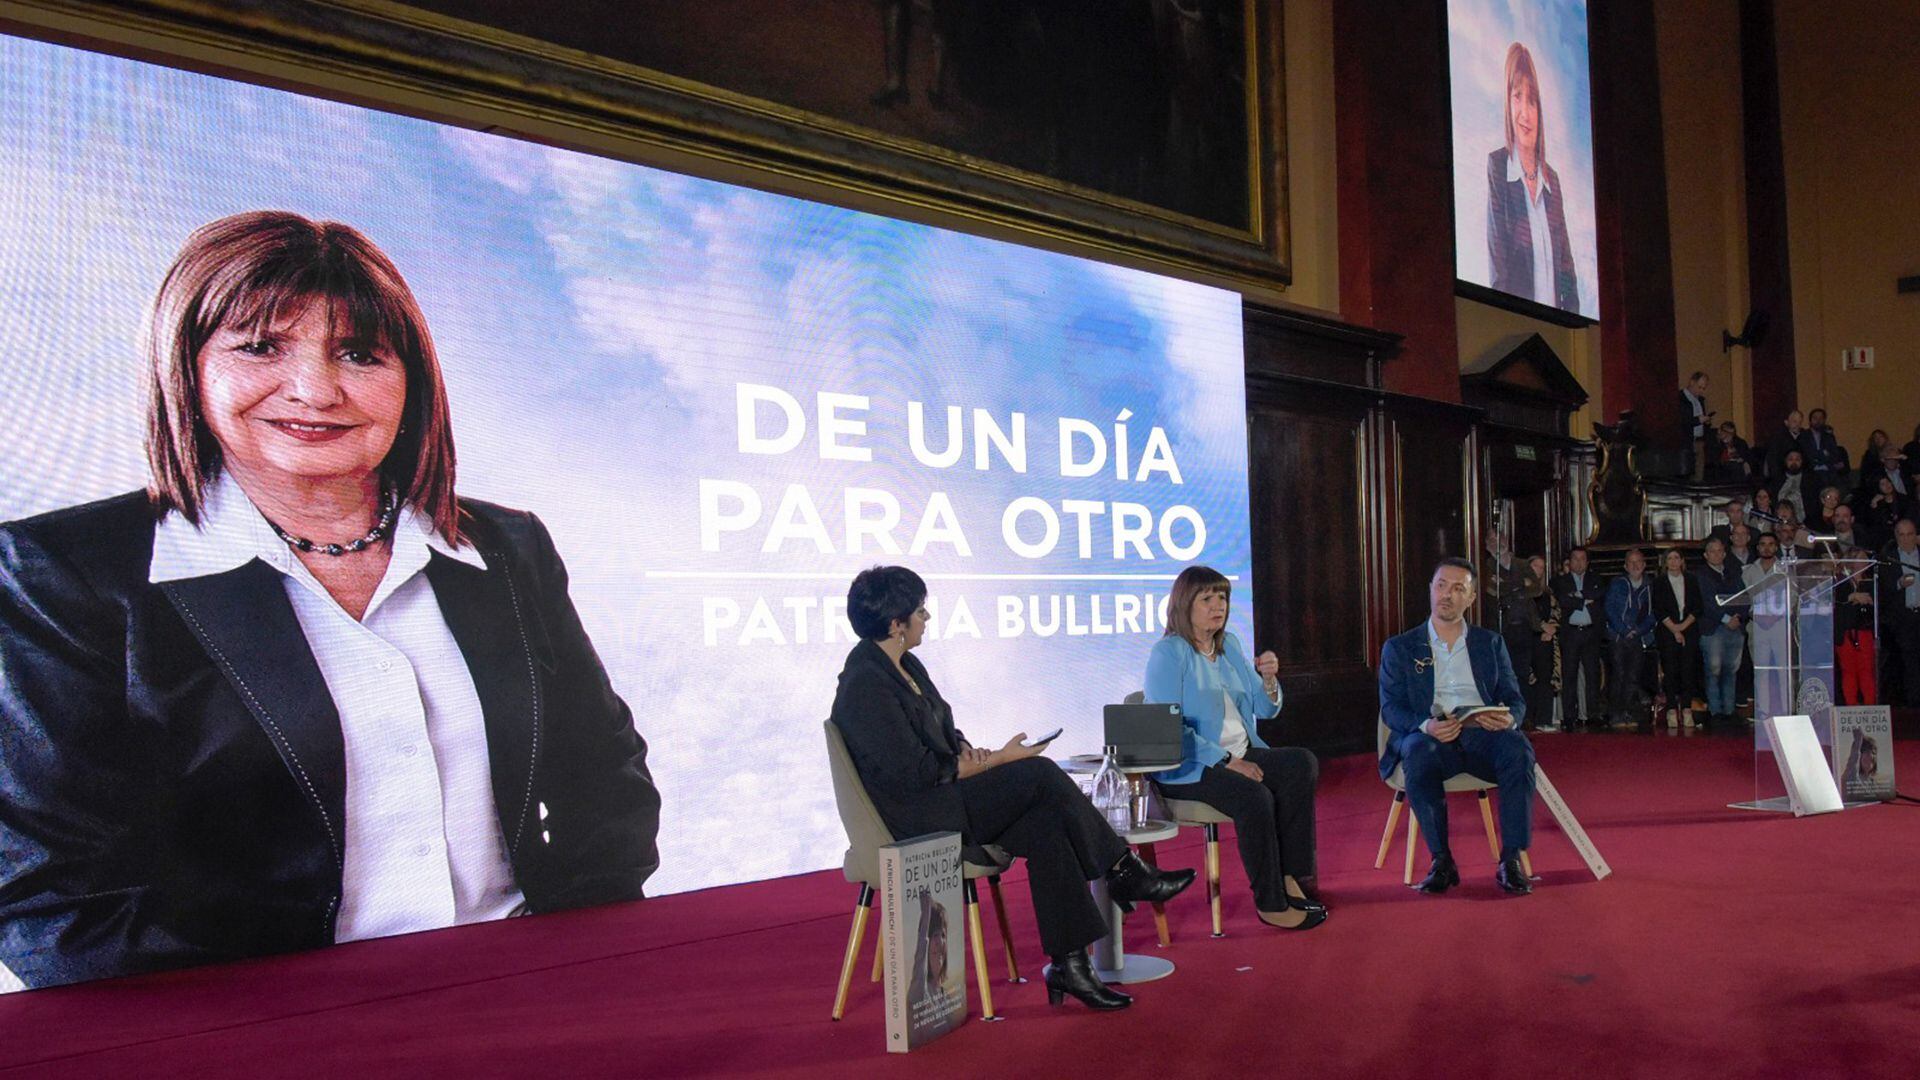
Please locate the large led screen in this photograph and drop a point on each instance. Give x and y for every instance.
(1523, 151)
(717, 404)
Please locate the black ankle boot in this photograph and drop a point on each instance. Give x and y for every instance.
(1132, 880)
(1073, 974)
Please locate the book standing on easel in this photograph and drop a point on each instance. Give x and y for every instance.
(1863, 752)
(925, 941)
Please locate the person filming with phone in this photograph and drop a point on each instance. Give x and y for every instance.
(924, 777)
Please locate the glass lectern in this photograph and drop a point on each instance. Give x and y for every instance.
(1790, 634)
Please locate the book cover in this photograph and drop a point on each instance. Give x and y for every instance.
(921, 917)
(1863, 752)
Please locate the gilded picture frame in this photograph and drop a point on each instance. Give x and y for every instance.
(406, 58)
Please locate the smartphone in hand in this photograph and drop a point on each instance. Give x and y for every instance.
(1044, 739)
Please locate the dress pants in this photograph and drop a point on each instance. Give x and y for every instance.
(1272, 817)
(1520, 644)
(1629, 657)
(1853, 655)
(1503, 757)
(1679, 667)
(1037, 812)
(1579, 656)
(1540, 694)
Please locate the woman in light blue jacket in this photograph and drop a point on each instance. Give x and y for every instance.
(1222, 697)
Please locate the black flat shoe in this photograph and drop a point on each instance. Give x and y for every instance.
(1132, 880)
(1441, 877)
(1073, 974)
(1512, 877)
(1315, 916)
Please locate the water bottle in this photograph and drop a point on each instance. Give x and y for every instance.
(1112, 794)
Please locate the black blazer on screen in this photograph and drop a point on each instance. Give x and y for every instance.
(172, 772)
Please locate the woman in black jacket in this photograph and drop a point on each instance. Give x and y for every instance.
(924, 776)
(1676, 612)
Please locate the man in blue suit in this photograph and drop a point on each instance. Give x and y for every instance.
(1426, 674)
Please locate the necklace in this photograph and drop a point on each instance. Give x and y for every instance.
(389, 510)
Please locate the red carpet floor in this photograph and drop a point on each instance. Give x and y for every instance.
(1727, 944)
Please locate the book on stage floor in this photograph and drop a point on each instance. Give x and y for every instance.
(1803, 765)
(925, 941)
(1863, 752)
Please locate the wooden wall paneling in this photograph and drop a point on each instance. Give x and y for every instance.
(1313, 453)
(1433, 464)
(1310, 570)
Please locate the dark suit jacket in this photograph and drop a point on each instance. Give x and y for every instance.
(903, 744)
(172, 773)
(1406, 683)
(1826, 458)
(1687, 421)
(1592, 597)
(1510, 239)
(1665, 608)
(1782, 443)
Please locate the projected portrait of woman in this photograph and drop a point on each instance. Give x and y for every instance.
(1527, 247)
(298, 691)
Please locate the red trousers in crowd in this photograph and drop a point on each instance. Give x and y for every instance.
(1853, 655)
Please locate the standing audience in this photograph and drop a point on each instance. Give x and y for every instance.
(1581, 597)
(1630, 630)
(1676, 608)
(1723, 637)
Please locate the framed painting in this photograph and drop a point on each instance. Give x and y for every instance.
(1153, 130)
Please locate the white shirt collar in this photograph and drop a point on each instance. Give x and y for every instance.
(1514, 173)
(1439, 644)
(232, 533)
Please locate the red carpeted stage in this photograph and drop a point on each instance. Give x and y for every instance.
(1727, 943)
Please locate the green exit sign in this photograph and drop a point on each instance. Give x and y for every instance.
(1526, 453)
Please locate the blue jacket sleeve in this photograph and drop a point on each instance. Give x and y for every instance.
(1617, 608)
(1264, 707)
(1166, 682)
(1401, 714)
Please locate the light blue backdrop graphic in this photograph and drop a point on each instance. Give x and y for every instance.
(595, 320)
(1555, 33)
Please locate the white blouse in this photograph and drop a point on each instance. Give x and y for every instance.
(423, 844)
(1233, 727)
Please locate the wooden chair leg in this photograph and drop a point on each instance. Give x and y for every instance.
(860, 912)
(1213, 877)
(1386, 838)
(979, 952)
(1006, 934)
(1486, 818)
(1526, 863)
(879, 952)
(1413, 835)
(1149, 853)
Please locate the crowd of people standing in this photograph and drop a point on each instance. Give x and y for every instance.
(1643, 646)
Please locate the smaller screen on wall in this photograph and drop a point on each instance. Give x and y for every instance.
(1523, 151)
